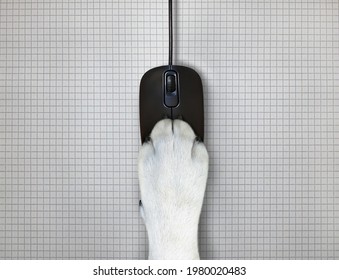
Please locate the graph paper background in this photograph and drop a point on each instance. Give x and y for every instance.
(69, 81)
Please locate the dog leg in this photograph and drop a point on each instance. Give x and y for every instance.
(173, 168)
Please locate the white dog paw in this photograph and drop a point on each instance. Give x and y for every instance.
(173, 168)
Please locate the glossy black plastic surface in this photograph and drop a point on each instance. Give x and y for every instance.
(160, 98)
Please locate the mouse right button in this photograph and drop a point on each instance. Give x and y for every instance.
(191, 108)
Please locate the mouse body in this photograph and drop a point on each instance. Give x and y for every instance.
(171, 91)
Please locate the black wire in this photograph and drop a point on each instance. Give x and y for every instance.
(170, 26)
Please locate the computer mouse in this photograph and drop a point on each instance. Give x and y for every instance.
(171, 91)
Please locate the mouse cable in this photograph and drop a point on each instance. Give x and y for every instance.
(170, 27)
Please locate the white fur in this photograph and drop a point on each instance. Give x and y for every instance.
(173, 169)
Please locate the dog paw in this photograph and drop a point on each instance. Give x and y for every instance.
(173, 168)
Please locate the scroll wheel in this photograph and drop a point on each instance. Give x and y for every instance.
(170, 83)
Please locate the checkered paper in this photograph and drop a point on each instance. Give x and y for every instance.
(69, 128)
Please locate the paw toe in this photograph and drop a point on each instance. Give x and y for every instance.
(146, 151)
(183, 129)
(162, 128)
(199, 152)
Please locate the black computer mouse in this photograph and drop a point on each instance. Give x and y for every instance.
(171, 91)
